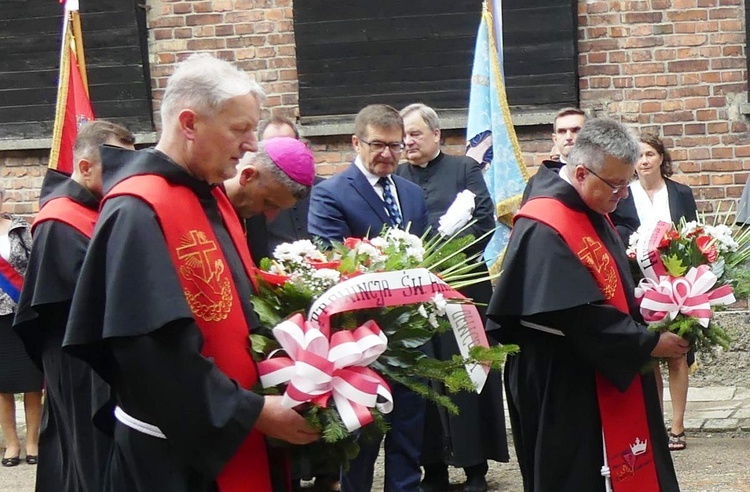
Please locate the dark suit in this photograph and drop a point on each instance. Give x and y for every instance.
(288, 226)
(681, 204)
(457, 439)
(347, 205)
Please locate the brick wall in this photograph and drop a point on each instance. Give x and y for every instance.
(677, 67)
(257, 35)
(674, 66)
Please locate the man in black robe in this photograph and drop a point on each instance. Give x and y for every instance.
(477, 433)
(265, 232)
(549, 304)
(72, 452)
(181, 420)
(267, 181)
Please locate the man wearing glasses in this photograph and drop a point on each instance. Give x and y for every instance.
(359, 202)
(366, 196)
(566, 298)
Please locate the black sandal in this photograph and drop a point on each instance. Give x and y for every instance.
(12, 461)
(32, 459)
(677, 441)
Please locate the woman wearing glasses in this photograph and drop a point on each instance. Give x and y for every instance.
(656, 197)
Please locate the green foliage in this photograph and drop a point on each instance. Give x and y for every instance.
(702, 339)
(407, 328)
(674, 265)
(740, 275)
(261, 345)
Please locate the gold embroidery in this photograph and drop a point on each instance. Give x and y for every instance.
(210, 297)
(598, 261)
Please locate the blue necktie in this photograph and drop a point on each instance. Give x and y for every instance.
(390, 202)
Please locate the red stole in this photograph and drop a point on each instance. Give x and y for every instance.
(212, 296)
(68, 211)
(626, 433)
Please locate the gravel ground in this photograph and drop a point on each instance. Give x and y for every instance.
(711, 463)
(731, 367)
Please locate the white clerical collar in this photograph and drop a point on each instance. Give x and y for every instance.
(564, 175)
(428, 162)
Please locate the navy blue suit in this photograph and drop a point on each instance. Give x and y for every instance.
(347, 205)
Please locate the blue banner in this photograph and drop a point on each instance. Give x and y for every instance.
(490, 136)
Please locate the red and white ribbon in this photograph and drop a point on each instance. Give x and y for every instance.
(318, 368)
(399, 288)
(647, 250)
(690, 295)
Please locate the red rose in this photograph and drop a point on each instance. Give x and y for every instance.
(352, 242)
(319, 264)
(707, 247)
(347, 276)
(274, 279)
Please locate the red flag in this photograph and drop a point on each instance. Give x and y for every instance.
(73, 105)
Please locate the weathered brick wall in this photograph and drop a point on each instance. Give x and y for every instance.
(674, 66)
(677, 67)
(21, 174)
(257, 35)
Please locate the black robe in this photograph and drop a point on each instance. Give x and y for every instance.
(478, 432)
(550, 384)
(288, 226)
(131, 322)
(72, 452)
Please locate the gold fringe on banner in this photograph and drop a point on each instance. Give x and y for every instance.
(62, 93)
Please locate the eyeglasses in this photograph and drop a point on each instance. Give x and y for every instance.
(394, 147)
(615, 188)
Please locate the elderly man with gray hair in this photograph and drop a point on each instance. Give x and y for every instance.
(162, 308)
(582, 410)
(456, 194)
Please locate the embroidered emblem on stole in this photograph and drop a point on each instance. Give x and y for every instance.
(210, 297)
(596, 258)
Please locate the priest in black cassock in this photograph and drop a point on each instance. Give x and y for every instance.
(162, 309)
(566, 298)
(477, 433)
(72, 452)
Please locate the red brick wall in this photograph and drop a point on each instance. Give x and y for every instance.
(675, 66)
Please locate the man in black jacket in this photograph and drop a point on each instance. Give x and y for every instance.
(455, 440)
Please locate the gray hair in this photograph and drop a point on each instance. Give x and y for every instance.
(203, 83)
(428, 114)
(262, 160)
(603, 137)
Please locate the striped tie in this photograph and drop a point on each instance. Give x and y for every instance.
(390, 202)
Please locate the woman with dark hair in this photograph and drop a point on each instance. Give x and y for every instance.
(655, 197)
(18, 374)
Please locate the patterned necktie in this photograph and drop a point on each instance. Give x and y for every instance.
(390, 202)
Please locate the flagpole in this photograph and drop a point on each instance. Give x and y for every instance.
(78, 37)
(73, 106)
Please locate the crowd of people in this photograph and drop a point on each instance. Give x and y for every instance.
(135, 303)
